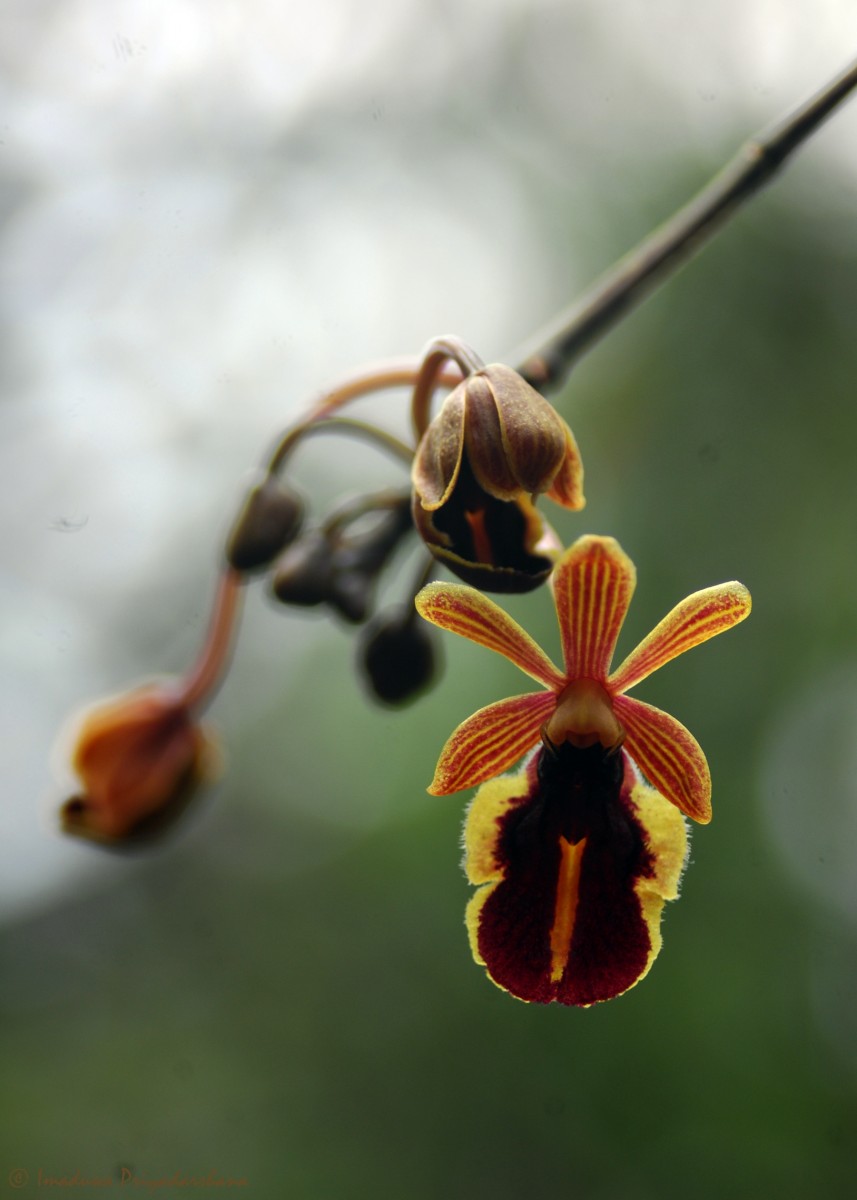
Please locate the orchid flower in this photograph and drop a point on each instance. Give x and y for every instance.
(577, 852)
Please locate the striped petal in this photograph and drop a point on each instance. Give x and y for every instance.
(464, 611)
(593, 584)
(668, 755)
(491, 741)
(698, 618)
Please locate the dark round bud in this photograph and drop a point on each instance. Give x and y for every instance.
(304, 574)
(370, 549)
(360, 556)
(397, 657)
(351, 594)
(270, 519)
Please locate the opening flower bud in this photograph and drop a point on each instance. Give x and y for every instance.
(494, 446)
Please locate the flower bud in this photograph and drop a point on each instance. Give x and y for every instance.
(304, 574)
(514, 440)
(336, 566)
(352, 594)
(495, 545)
(270, 519)
(311, 572)
(494, 446)
(398, 657)
(139, 758)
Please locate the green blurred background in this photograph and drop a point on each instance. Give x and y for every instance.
(210, 211)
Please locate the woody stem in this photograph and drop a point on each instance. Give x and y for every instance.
(670, 246)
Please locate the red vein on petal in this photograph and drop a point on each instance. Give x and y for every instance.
(696, 619)
(462, 610)
(490, 741)
(593, 585)
(668, 755)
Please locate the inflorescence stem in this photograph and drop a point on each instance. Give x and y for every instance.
(204, 676)
(359, 506)
(670, 246)
(297, 433)
(437, 356)
(376, 377)
(447, 360)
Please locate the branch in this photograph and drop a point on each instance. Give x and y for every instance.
(670, 246)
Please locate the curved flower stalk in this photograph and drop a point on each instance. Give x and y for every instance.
(576, 854)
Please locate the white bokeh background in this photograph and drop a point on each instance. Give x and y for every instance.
(208, 211)
(211, 209)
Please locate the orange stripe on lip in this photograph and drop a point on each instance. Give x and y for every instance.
(483, 550)
(567, 888)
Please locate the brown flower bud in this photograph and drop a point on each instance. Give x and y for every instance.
(514, 440)
(338, 566)
(139, 758)
(494, 446)
(304, 573)
(352, 594)
(270, 519)
(360, 557)
(397, 658)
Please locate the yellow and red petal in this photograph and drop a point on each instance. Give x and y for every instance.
(667, 843)
(698, 618)
(668, 755)
(491, 802)
(593, 583)
(463, 610)
(509, 919)
(576, 856)
(491, 741)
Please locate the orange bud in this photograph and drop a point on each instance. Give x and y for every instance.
(139, 758)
